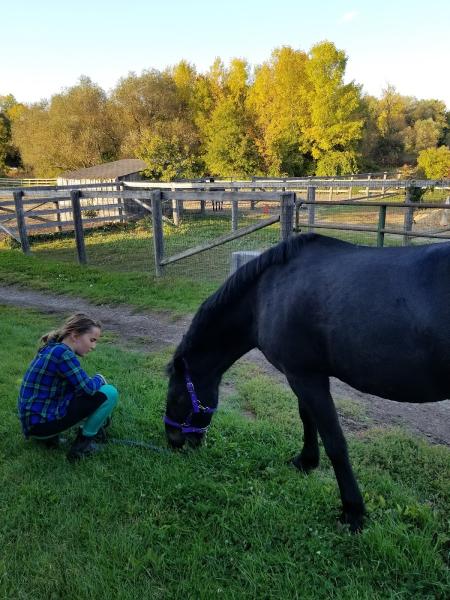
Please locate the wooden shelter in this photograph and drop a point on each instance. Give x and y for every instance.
(127, 169)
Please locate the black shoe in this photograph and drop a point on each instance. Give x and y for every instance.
(101, 436)
(82, 446)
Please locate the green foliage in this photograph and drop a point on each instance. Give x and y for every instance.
(278, 101)
(335, 125)
(72, 130)
(293, 115)
(435, 162)
(9, 154)
(230, 150)
(170, 150)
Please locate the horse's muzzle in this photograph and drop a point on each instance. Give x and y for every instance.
(176, 438)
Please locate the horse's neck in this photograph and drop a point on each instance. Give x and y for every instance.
(225, 339)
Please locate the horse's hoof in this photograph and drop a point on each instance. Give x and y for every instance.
(304, 465)
(354, 521)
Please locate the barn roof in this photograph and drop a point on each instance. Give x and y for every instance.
(110, 170)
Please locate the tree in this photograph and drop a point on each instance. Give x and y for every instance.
(138, 102)
(73, 130)
(9, 154)
(435, 162)
(384, 137)
(171, 150)
(334, 127)
(278, 100)
(230, 147)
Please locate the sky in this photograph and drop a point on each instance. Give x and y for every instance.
(45, 46)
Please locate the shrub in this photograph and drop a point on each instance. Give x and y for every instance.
(435, 162)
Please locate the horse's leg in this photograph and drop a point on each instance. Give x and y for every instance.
(314, 390)
(308, 459)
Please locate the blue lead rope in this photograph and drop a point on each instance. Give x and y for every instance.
(147, 446)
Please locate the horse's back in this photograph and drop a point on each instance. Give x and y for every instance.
(378, 319)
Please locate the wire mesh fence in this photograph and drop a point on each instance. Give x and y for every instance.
(122, 240)
(204, 222)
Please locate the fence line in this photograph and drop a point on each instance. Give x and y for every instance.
(19, 209)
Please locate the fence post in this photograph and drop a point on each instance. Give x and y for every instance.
(234, 214)
(409, 217)
(297, 215)
(444, 218)
(58, 227)
(21, 225)
(119, 187)
(383, 189)
(175, 209)
(381, 225)
(158, 238)
(369, 177)
(252, 202)
(287, 202)
(311, 197)
(78, 225)
(350, 189)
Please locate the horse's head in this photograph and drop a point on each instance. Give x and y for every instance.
(189, 408)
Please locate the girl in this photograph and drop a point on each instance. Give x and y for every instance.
(56, 393)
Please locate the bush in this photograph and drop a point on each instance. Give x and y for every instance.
(435, 162)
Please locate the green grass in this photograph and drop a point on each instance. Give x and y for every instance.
(121, 260)
(231, 520)
(121, 264)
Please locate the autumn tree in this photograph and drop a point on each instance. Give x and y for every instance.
(73, 130)
(9, 154)
(278, 100)
(334, 127)
(171, 151)
(138, 102)
(435, 162)
(230, 144)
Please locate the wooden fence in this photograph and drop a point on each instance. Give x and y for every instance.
(13, 182)
(40, 209)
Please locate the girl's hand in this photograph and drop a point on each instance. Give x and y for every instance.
(101, 376)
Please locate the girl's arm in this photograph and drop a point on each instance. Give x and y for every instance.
(70, 368)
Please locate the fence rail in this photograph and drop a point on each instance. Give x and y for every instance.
(24, 211)
(10, 182)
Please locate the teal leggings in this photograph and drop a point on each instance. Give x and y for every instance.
(89, 411)
(93, 423)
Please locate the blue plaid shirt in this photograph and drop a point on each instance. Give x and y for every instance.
(51, 382)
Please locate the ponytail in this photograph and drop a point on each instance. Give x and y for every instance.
(77, 323)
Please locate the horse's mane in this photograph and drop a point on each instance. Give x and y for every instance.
(242, 279)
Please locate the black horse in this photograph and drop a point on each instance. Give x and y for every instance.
(376, 318)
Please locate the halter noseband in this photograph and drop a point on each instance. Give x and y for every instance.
(197, 408)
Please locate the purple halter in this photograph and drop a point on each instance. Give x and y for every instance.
(197, 407)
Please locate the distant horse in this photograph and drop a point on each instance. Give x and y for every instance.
(217, 205)
(376, 318)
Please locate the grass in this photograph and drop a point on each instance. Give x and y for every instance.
(121, 265)
(121, 261)
(231, 520)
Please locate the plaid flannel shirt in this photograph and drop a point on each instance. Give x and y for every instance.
(51, 382)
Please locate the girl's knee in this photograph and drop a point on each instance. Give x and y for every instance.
(111, 393)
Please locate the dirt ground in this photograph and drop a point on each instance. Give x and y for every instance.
(154, 330)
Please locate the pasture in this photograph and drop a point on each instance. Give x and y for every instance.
(121, 264)
(232, 520)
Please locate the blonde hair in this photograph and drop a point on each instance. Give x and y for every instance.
(77, 323)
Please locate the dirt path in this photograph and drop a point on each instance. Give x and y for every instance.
(154, 330)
